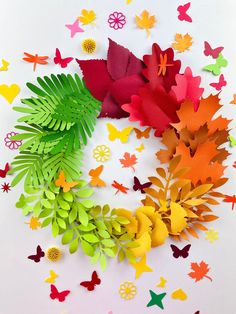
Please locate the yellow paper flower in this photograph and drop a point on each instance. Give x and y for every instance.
(101, 153)
(89, 45)
(34, 223)
(127, 290)
(212, 235)
(53, 254)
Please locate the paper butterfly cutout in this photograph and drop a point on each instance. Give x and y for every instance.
(232, 141)
(209, 51)
(180, 253)
(144, 134)
(61, 182)
(35, 59)
(51, 278)
(140, 187)
(9, 92)
(63, 62)
(140, 148)
(3, 172)
(114, 134)
(4, 66)
(221, 83)
(94, 174)
(162, 283)
(216, 68)
(39, 254)
(60, 296)
(90, 285)
(183, 16)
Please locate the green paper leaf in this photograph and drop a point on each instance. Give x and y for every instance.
(73, 215)
(46, 203)
(109, 252)
(104, 234)
(62, 213)
(108, 243)
(83, 216)
(67, 237)
(87, 228)
(95, 258)
(55, 229)
(61, 223)
(87, 203)
(67, 197)
(103, 262)
(64, 205)
(85, 193)
(74, 246)
(46, 222)
(91, 238)
(50, 195)
(87, 248)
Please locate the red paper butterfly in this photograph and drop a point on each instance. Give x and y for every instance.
(63, 62)
(36, 258)
(180, 253)
(60, 296)
(208, 51)
(222, 82)
(139, 186)
(3, 172)
(90, 285)
(183, 16)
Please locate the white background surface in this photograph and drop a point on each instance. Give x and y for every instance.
(38, 27)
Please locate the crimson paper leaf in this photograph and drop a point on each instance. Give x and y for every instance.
(188, 87)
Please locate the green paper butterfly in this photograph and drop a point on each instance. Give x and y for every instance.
(232, 141)
(216, 68)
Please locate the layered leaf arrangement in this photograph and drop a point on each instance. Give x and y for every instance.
(61, 116)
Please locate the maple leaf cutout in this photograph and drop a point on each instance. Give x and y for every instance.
(199, 271)
(188, 87)
(145, 21)
(128, 161)
(87, 17)
(182, 42)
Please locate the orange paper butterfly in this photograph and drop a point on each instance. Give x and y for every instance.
(35, 59)
(140, 134)
(61, 182)
(94, 174)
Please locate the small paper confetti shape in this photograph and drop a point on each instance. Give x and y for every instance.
(179, 295)
(128, 290)
(87, 17)
(156, 299)
(9, 92)
(212, 235)
(162, 283)
(141, 267)
(4, 66)
(51, 278)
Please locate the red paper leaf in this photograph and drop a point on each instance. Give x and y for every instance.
(113, 81)
(153, 107)
(152, 63)
(188, 87)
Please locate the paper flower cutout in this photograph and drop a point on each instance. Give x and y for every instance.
(212, 235)
(89, 45)
(161, 60)
(145, 21)
(87, 17)
(182, 42)
(116, 20)
(53, 254)
(34, 223)
(127, 290)
(113, 81)
(101, 153)
(12, 144)
(188, 87)
(6, 187)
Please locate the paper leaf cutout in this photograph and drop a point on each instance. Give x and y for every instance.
(145, 21)
(188, 87)
(153, 64)
(200, 271)
(154, 108)
(128, 161)
(87, 17)
(9, 92)
(182, 42)
(177, 218)
(35, 59)
(113, 81)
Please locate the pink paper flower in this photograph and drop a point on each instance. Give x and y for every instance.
(11, 144)
(116, 20)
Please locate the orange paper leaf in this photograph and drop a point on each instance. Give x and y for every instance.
(145, 21)
(199, 271)
(128, 161)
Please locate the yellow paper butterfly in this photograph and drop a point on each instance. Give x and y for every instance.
(61, 182)
(4, 66)
(114, 134)
(51, 278)
(140, 148)
(162, 283)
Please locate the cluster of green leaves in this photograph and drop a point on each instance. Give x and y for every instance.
(60, 119)
(98, 231)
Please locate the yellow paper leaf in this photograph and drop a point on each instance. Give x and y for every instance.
(145, 21)
(159, 233)
(133, 226)
(177, 217)
(200, 190)
(195, 202)
(144, 224)
(144, 243)
(87, 17)
(182, 42)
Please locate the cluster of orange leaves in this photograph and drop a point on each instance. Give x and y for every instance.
(178, 202)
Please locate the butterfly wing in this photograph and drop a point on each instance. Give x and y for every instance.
(146, 132)
(61, 180)
(124, 134)
(40, 252)
(88, 285)
(113, 133)
(62, 295)
(54, 292)
(95, 279)
(232, 141)
(176, 251)
(138, 133)
(137, 184)
(64, 62)
(208, 50)
(221, 61)
(145, 186)
(185, 251)
(213, 68)
(68, 186)
(215, 52)
(3, 172)
(57, 59)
